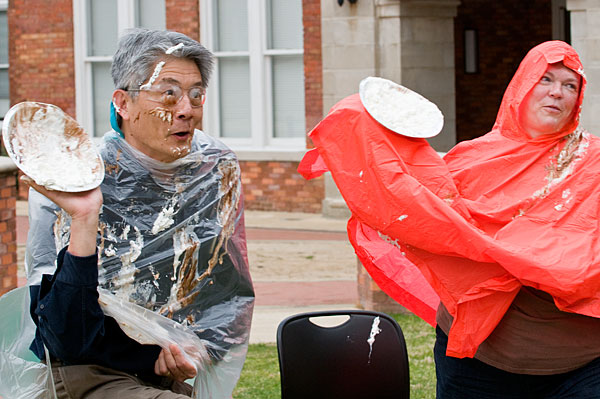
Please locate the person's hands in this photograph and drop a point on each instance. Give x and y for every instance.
(77, 205)
(84, 208)
(172, 363)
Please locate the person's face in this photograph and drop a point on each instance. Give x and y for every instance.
(159, 124)
(549, 106)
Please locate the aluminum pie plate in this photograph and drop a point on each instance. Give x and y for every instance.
(51, 148)
(400, 109)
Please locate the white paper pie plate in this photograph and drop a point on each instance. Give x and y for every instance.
(50, 147)
(400, 109)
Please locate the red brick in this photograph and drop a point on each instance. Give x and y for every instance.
(313, 65)
(183, 16)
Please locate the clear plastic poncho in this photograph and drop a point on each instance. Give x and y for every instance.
(172, 254)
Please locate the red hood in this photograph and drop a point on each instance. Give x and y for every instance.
(529, 73)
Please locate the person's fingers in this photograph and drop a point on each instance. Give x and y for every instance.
(31, 183)
(160, 366)
(27, 180)
(171, 362)
(172, 366)
(183, 364)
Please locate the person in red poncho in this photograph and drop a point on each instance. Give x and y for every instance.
(496, 243)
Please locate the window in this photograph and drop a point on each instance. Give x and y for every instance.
(98, 24)
(256, 95)
(4, 95)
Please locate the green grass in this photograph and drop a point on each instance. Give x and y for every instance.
(260, 376)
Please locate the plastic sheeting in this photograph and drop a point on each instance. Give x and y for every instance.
(21, 373)
(496, 213)
(171, 248)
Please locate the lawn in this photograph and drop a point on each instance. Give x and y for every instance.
(260, 376)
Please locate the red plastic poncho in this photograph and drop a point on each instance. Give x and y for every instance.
(498, 212)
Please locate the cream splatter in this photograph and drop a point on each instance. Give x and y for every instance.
(163, 114)
(154, 76)
(402, 217)
(171, 50)
(229, 189)
(110, 251)
(125, 232)
(128, 269)
(558, 170)
(179, 152)
(374, 331)
(165, 218)
(185, 260)
(390, 240)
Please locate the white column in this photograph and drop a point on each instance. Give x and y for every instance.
(585, 38)
(349, 55)
(427, 57)
(348, 48)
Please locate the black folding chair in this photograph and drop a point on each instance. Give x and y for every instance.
(341, 361)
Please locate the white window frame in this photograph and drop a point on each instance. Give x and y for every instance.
(261, 102)
(83, 63)
(4, 7)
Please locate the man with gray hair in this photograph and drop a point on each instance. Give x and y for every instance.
(120, 274)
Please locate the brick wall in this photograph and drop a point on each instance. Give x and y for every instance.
(183, 16)
(313, 64)
(8, 228)
(517, 27)
(277, 186)
(41, 54)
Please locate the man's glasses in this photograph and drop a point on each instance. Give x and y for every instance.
(169, 94)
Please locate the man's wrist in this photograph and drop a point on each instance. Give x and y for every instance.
(84, 230)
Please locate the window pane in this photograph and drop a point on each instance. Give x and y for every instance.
(4, 100)
(102, 87)
(3, 38)
(288, 96)
(234, 96)
(230, 25)
(3, 83)
(151, 14)
(102, 27)
(284, 24)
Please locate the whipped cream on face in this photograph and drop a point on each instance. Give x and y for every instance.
(154, 76)
(51, 148)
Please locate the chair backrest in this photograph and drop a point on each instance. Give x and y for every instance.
(364, 357)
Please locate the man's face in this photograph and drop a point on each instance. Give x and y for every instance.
(158, 122)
